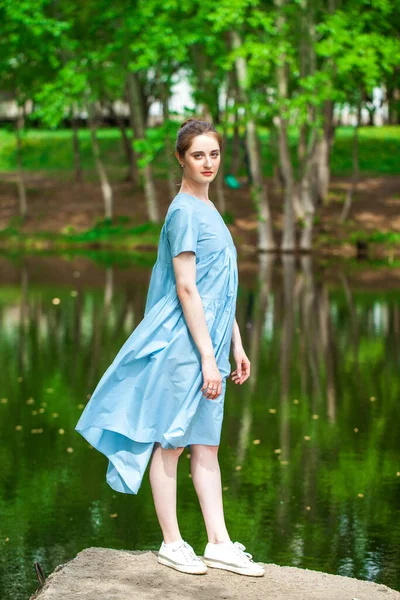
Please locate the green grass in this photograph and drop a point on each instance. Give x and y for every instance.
(390, 238)
(117, 235)
(50, 152)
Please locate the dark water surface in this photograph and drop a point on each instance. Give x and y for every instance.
(310, 450)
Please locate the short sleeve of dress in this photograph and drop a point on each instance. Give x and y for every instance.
(182, 230)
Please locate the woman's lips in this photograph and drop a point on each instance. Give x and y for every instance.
(206, 172)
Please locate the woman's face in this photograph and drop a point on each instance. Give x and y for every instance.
(201, 160)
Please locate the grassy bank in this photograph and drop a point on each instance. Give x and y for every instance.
(117, 235)
(141, 242)
(50, 152)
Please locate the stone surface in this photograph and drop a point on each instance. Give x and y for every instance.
(104, 574)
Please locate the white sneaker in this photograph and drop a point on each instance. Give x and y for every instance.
(181, 556)
(231, 556)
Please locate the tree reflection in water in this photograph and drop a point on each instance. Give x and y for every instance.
(310, 451)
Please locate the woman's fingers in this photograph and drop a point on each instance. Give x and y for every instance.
(242, 373)
(211, 389)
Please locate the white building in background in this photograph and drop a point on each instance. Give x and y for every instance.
(181, 100)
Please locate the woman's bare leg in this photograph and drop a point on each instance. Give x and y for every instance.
(206, 477)
(162, 476)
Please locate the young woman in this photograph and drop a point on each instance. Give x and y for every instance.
(165, 388)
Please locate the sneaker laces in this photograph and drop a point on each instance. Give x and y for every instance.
(240, 551)
(187, 551)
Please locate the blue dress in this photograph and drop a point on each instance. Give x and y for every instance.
(152, 390)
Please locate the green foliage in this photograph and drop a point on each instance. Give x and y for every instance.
(379, 237)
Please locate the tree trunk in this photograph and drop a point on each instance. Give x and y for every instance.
(138, 129)
(309, 167)
(171, 161)
(235, 162)
(393, 100)
(23, 207)
(308, 190)
(258, 189)
(132, 174)
(219, 181)
(106, 189)
(324, 152)
(288, 238)
(356, 170)
(75, 146)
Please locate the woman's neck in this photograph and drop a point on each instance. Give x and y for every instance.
(199, 191)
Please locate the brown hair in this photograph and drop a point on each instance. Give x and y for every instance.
(189, 130)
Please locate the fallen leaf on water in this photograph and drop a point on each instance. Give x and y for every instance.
(37, 430)
(114, 515)
(272, 411)
(18, 427)
(277, 451)
(307, 438)
(256, 442)
(61, 431)
(4, 400)
(70, 450)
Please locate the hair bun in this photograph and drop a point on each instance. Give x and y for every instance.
(187, 121)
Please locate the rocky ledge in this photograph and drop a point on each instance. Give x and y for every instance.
(104, 574)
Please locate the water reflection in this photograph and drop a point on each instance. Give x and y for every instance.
(310, 453)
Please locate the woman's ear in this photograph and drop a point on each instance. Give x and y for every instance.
(180, 160)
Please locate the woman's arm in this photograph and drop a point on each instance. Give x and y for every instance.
(236, 337)
(185, 278)
(242, 371)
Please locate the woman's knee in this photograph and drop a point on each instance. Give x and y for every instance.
(175, 452)
(202, 450)
(170, 453)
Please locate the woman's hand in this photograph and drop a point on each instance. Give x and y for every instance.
(242, 371)
(212, 379)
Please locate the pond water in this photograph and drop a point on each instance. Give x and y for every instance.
(310, 449)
